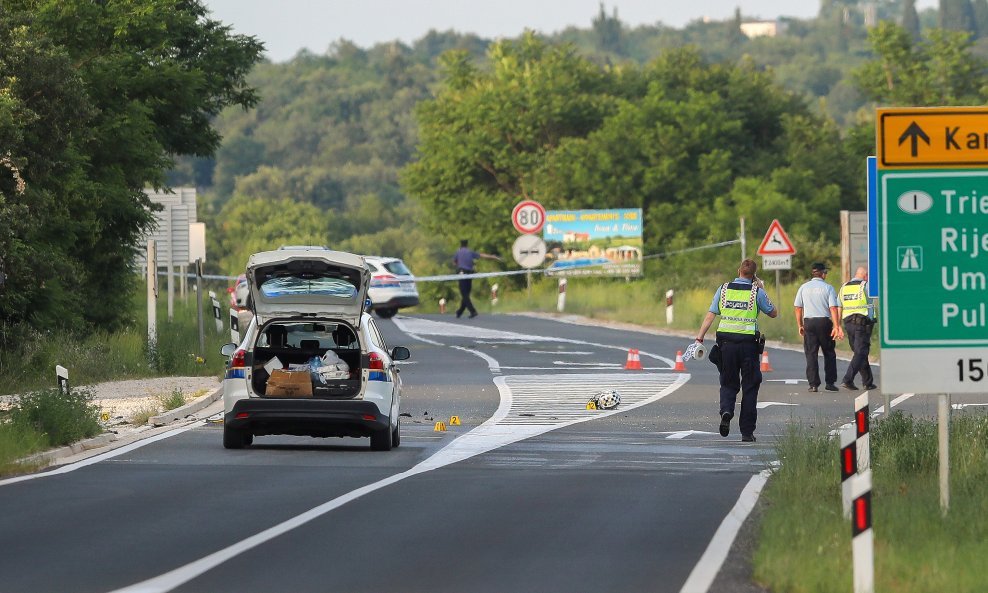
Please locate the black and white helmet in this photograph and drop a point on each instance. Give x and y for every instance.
(606, 400)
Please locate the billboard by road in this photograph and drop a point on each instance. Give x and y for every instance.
(594, 242)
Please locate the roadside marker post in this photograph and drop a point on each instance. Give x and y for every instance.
(861, 428)
(62, 378)
(561, 302)
(863, 542)
(216, 312)
(234, 326)
(848, 466)
(442, 306)
(669, 311)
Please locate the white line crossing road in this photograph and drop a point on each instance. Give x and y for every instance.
(562, 398)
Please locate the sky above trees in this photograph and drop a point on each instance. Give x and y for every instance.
(287, 26)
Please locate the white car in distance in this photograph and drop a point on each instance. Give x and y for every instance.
(392, 286)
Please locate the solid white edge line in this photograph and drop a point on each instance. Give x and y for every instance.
(101, 457)
(703, 574)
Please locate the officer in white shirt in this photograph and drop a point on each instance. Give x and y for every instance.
(818, 319)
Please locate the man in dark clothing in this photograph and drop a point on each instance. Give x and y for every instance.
(818, 320)
(858, 324)
(738, 339)
(463, 259)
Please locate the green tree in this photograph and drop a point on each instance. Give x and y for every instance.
(957, 15)
(940, 70)
(250, 225)
(608, 30)
(151, 76)
(486, 134)
(910, 19)
(980, 11)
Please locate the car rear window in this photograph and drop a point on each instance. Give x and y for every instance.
(398, 268)
(303, 284)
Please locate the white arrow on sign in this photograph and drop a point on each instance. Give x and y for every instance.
(529, 251)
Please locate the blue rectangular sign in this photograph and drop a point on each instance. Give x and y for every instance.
(873, 227)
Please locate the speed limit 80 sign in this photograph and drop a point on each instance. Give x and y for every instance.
(528, 217)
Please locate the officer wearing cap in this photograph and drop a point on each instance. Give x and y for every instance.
(738, 303)
(858, 324)
(817, 316)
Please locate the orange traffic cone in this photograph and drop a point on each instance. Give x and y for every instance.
(680, 365)
(634, 361)
(766, 367)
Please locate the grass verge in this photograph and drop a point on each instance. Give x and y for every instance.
(43, 419)
(804, 543)
(28, 357)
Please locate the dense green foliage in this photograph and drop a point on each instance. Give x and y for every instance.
(96, 98)
(697, 145)
(62, 418)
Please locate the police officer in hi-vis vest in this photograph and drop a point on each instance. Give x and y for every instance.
(739, 344)
(858, 324)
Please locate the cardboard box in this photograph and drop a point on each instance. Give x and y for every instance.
(284, 383)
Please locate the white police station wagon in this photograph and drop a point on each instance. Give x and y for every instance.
(312, 362)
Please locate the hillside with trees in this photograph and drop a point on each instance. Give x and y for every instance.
(404, 149)
(699, 126)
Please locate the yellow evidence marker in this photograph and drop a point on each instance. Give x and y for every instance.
(591, 405)
(454, 420)
(440, 427)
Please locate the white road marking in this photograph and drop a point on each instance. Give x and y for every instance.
(418, 327)
(101, 457)
(962, 406)
(587, 364)
(892, 404)
(879, 410)
(682, 434)
(561, 352)
(506, 426)
(702, 575)
(762, 405)
(786, 381)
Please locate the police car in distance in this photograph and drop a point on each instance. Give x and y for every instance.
(392, 286)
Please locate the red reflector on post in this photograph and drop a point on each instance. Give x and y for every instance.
(370, 417)
(242, 415)
(861, 513)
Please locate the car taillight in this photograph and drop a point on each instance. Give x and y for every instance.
(385, 281)
(239, 358)
(376, 362)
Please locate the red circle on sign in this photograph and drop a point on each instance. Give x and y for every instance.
(528, 217)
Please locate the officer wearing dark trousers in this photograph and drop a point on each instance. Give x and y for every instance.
(464, 260)
(739, 345)
(817, 317)
(858, 325)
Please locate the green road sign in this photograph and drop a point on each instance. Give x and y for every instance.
(934, 280)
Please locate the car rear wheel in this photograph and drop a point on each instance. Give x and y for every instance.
(381, 441)
(386, 313)
(396, 434)
(236, 439)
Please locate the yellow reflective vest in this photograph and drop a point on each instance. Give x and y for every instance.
(853, 298)
(738, 309)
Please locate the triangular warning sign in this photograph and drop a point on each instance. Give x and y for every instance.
(776, 241)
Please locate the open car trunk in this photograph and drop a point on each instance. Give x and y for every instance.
(295, 344)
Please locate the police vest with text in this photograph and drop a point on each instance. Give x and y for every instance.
(738, 309)
(854, 300)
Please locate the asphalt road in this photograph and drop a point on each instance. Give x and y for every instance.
(531, 493)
